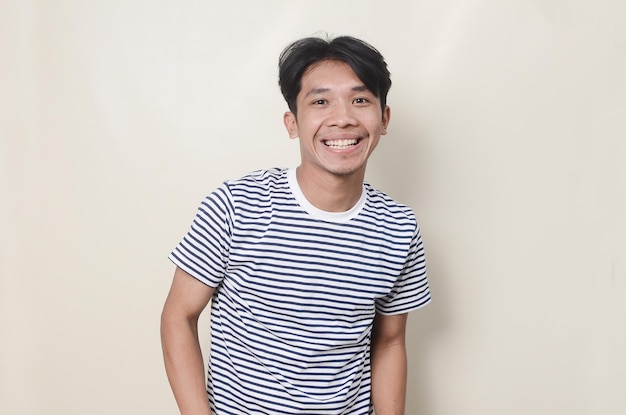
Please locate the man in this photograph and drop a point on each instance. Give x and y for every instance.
(310, 270)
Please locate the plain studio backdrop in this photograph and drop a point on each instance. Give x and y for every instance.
(507, 138)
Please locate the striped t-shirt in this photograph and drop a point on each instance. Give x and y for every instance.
(297, 290)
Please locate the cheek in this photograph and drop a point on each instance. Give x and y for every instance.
(308, 125)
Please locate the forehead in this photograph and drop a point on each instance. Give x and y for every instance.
(329, 74)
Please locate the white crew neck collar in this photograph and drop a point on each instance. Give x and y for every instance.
(338, 217)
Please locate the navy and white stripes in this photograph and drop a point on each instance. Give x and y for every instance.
(296, 293)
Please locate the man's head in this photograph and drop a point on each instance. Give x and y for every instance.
(336, 91)
(366, 62)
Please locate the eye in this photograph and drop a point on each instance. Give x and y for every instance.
(361, 100)
(320, 102)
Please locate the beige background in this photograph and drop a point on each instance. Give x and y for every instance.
(507, 138)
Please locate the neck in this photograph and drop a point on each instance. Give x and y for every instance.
(331, 193)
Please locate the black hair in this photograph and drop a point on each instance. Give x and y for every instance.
(366, 62)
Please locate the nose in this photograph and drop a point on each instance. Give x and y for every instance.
(342, 115)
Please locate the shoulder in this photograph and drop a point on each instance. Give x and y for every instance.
(259, 178)
(258, 182)
(384, 207)
(259, 187)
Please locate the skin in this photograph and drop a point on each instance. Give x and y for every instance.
(185, 302)
(333, 107)
(389, 364)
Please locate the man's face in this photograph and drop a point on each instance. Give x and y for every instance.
(339, 121)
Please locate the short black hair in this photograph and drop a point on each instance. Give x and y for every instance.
(366, 62)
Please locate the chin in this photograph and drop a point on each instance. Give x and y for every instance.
(346, 171)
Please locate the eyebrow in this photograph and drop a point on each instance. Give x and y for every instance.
(316, 91)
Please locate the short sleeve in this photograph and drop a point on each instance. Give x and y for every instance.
(203, 251)
(411, 290)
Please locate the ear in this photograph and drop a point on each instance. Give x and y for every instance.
(289, 119)
(385, 121)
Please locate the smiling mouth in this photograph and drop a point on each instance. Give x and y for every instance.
(341, 144)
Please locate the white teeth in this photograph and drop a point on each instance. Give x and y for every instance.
(341, 143)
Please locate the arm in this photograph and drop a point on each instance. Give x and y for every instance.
(389, 362)
(181, 348)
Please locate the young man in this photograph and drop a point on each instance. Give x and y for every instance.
(310, 270)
